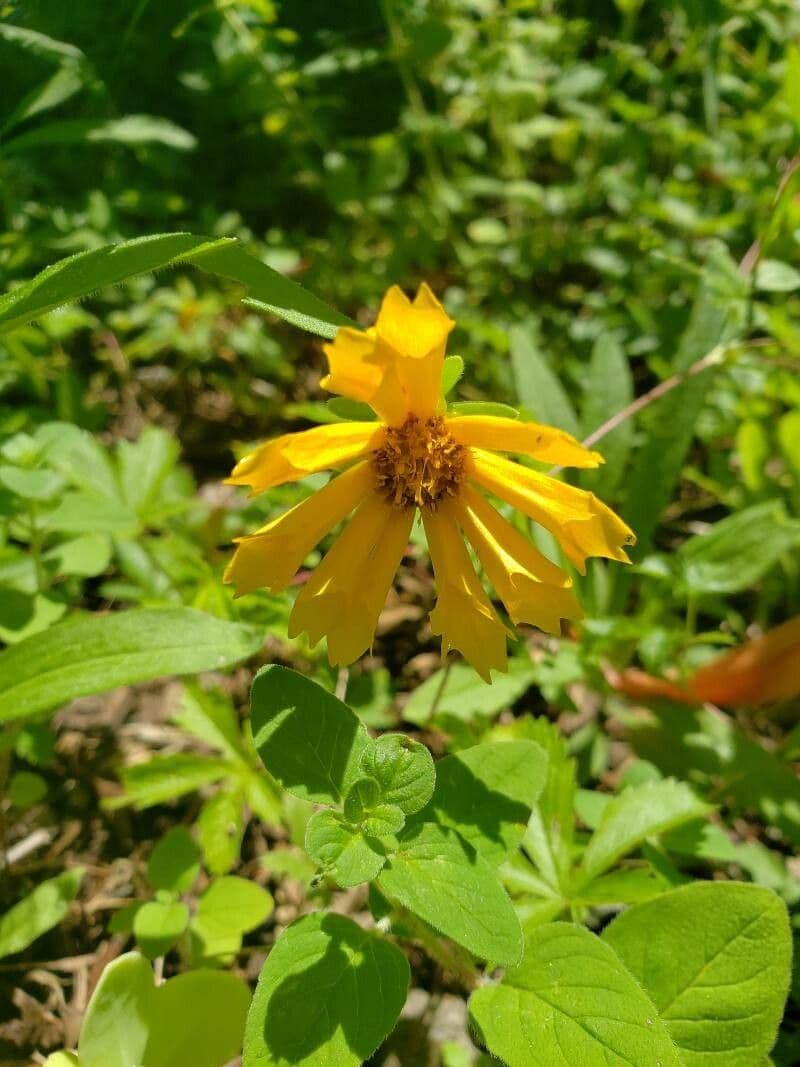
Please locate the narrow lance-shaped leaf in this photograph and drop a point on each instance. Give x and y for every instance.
(717, 311)
(608, 391)
(91, 654)
(538, 387)
(636, 814)
(41, 910)
(81, 275)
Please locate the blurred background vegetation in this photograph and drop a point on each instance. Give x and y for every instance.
(603, 192)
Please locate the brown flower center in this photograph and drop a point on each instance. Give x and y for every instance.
(419, 463)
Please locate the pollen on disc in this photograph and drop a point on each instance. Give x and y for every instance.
(419, 463)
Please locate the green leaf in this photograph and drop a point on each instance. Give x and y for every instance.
(636, 814)
(739, 550)
(548, 839)
(62, 1059)
(26, 789)
(81, 275)
(570, 1002)
(158, 925)
(229, 908)
(39, 911)
(486, 793)
(80, 457)
(628, 886)
(538, 388)
(269, 291)
(234, 904)
(174, 863)
(463, 694)
(362, 795)
(84, 556)
(329, 993)
(384, 822)
(351, 410)
(144, 465)
(129, 130)
(115, 1027)
(341, 850)
(608, 389)
(166, 778)
(452, 370)
(743, 775)
(754, 448)
(220, 827)
(39, 44)
(715, 317)
(773, 276)
(483, 407)
(441, 879)
(196, 1018)
(63, 84)
(403, 770)
(788, 431)
(715, 957)
(31, 484)
(92, 654)
(77, 512)
(307, 739)
(210, 715)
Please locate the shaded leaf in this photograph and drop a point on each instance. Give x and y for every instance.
(329, 993)
(308, 740)
(486, 793)
(441, 879)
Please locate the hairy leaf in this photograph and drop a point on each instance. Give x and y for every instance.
(570, 1002)
(715, 957)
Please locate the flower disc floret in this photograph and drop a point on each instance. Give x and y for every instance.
(419, 464)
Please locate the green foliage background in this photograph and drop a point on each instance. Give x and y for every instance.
(602, 192)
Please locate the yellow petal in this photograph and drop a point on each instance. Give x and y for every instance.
(353, 371)
(545, 443)
(344, 596)
(395, 367)
(411, 343)
(533, 589)
(294, 455)
(463, 614)
(270, 558)
(581, 523)
(413, 330)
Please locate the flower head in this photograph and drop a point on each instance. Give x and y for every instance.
(415, 457)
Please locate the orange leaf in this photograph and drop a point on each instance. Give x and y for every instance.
(639, 685)
(765, 670)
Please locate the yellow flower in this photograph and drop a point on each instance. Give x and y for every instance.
(416, 457)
